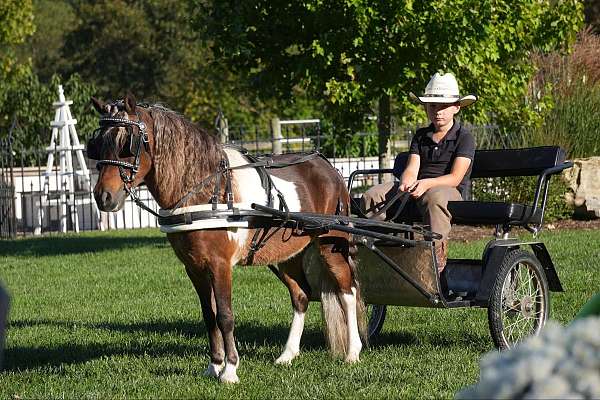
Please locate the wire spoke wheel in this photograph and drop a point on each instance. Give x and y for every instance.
(519, 301)
(376, 314)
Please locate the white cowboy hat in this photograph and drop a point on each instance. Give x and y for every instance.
(443, 89)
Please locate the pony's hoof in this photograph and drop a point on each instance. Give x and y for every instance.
(229, 378)
(352, 358)
(286, 358)
(229, 374)
(213, 370)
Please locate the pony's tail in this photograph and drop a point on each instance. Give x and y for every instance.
(336, 328)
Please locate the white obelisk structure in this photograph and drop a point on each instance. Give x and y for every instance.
(64, 142)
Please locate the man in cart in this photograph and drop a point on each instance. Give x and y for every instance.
(439, 164)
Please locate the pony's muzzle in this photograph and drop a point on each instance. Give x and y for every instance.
(109, 201)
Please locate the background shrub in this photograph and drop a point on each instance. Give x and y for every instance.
(572, 83)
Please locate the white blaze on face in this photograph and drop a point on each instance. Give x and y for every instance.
(250, 190)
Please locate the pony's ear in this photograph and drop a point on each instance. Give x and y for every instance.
(130, 103)
(99, 105)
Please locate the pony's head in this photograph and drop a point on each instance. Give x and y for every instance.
(122, 146)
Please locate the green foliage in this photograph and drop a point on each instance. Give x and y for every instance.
(522, 190)
(117, 45)
(573, 123)
(350, 53)
(31, 103)
(572, 83)
(53, 20)
(346, 143)
(149, 48)
(16, 21)
(592, 307)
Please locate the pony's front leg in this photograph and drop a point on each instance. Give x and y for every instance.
(203, 285)
(221, 275)
(291, 274)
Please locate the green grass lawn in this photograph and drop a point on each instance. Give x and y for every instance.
(113, 314)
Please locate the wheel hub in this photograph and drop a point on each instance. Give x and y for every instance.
(527, 306)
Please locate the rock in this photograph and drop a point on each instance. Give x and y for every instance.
(584, 184)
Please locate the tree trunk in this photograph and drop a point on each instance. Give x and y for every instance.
(383, 126)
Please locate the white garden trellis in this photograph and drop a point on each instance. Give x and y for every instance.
(64, 143)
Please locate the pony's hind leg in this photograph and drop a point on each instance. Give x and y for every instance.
(349, 303)
(291, 274)
(203, 286)
(335, 253)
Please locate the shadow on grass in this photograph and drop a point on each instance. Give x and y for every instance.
(436, 338)
(64, 245)
(250, 338)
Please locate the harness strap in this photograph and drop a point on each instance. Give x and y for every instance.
(270, 164)
(228, 191)
(256, 244)
(215, 197)
(139, 202)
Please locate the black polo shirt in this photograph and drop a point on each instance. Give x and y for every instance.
(437, 158)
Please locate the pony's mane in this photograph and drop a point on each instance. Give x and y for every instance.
(184, 154)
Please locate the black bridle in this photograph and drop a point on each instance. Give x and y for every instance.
(136, 142)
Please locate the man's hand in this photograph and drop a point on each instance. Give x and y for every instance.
(420, 187)
(405, 186)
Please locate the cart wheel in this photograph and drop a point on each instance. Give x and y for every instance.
(519, 301)
(376, 313)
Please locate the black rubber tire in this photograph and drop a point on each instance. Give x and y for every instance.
(519, 299)
(376, 313)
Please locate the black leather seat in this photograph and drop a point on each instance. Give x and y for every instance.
(492, 213)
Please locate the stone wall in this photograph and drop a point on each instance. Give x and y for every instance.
(584, 184)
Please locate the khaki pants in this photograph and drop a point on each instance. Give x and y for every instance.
(433, 204)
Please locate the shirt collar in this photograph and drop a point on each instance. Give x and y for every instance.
(451, 135)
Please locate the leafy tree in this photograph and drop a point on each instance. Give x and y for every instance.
(31, 103)
(16, 21)
(355, 54)
(114, 46)
(22, 95)
(149, 47)
(53, 20)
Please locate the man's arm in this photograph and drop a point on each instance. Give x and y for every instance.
(460, 166)
(410, 173)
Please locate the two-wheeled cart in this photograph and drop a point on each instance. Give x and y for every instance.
(398, 267)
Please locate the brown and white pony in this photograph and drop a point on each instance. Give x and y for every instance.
(176, 158)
